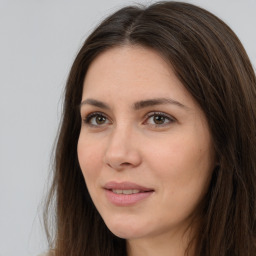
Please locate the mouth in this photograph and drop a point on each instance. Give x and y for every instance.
(126, 193)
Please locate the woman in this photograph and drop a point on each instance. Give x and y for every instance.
(156, 153)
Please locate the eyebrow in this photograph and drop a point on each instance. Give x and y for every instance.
(137, 105)
(95, 103)
(158, 101)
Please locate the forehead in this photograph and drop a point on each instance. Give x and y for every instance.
(124, 59)
(132, 72)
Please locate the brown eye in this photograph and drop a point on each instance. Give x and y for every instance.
(100, 119)
(96, 119)
(159, 119)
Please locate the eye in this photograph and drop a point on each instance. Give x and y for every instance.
(159, 119)
(96, 119)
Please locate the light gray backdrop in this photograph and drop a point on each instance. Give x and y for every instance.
(38, 42)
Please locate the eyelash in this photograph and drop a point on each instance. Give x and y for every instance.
(88, 119)
(169, 118)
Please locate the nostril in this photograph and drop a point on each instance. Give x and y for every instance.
(126, 163)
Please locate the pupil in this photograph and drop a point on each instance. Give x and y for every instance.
(159, 119)
(100, 120)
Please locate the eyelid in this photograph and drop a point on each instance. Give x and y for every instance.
(86, 120)
(88, 117)
(155, 113)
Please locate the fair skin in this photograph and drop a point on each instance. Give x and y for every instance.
(141, 126)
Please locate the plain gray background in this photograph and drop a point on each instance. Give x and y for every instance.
(38, 42)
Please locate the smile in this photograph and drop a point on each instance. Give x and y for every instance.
(126, 193)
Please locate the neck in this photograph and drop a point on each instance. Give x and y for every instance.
(164, 245)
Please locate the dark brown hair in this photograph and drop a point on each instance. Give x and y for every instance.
(213, 66)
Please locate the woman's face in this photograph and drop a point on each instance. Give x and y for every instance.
(145, 149)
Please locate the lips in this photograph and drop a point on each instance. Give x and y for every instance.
(126, 193)
(125, 186)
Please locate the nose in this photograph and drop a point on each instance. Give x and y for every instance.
(122, 150)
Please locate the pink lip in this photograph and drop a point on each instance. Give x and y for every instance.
(124, 199)
(125, 185)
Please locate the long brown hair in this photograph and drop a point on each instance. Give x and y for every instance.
(213, 66)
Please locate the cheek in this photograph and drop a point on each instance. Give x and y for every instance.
(177, 151)
(183, 163)
(184, 173)
(89, 157)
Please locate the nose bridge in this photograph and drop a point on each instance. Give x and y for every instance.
(121, 148)
(120, 141)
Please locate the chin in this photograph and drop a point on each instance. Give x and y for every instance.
(126, 229)
(126, 234)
